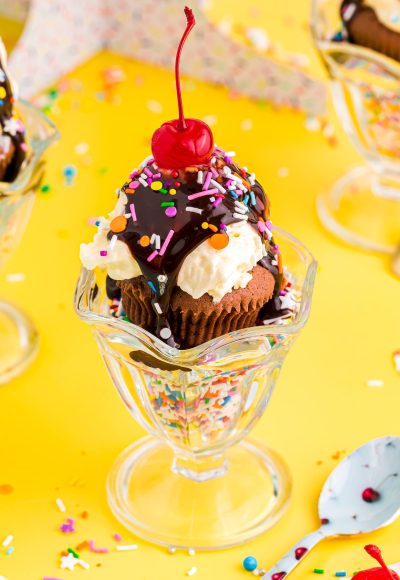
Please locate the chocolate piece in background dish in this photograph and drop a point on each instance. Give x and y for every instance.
(364, 27)
(190, 242)
(12, 132)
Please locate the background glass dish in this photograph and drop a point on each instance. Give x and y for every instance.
(207, 488)
(18, 336)
(363, 207)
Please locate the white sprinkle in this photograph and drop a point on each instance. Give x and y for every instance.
(252, 178)
(83, 564)
(213, 160)
(192, 552)
(218, 186)
(61, 505)
(3, 578)
(283, 172)
(146, 160)
(230, 153)
(240, 207)
(192, 571)
(156, 240)
(7, 540)
(328, 131)
(312, 124)
(157, 307)
(17, 277)
(165, 333)
(81, 148)
(396, 360)
(246, 125)
(375, 383)
(194, 209)
(113, 241)
(127, 215)
(226, 169)
(154, 106)
(127, 548)
(143, 182)
(200, 177)
(171, 550)
(240, 216)
(235, 178)
(120, 309)
(274, 262)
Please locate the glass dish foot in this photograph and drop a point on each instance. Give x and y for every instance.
(362, 211)
(19, 342)
(155, 501)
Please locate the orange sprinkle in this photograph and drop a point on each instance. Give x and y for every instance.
(144, 241)
(6, 489)
(213, 228)
(118, 224)
(280, 265)
(84, 514)
(129, 190)
(219, 241)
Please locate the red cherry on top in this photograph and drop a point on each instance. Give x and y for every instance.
(382, 573)
(182, 142)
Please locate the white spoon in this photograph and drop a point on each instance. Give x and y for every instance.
(361, 495)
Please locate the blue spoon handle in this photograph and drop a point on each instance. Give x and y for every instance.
(294, 556)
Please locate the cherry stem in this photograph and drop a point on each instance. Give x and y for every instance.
(375, 552)
(190, 23)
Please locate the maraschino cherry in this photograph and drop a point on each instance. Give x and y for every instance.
(182, 142)
(382, 573)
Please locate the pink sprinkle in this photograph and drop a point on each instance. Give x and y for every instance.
(171, 211)
(117, 538)
(134, 174)
(202, 193)
(268, 224)
(68, 526)
(166, 242)
(152, 256)
(133, 184)
(24, 147)
(214, 171)
(156, 175)
(97, 550)
(207, 180)
(148, 172)
(228, 183)
(261, 226)
(103, 252)
(217, 202)
(133, 212)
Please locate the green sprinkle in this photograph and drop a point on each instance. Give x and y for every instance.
(318, 571)
(53, 93)
(167, 204)
(46, 109)
(45, 188)
(71, 551)
(163, 190)
(207, 401)
(104, 169)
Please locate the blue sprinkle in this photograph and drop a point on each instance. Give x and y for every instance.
(70, 171)
(233, 194)
(341, 574)
(97, 223)
(1, 102)
(10, 550)
(246, 199)
(150, 283)
(253, 198)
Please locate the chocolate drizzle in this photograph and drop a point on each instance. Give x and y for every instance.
(160, 244)
(12, 139)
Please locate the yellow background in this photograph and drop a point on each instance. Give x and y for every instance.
(62, 424)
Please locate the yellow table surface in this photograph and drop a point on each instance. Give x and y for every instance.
(62, 423)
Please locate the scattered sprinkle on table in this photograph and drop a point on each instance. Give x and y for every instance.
(6, 489)
(17, 277)
(318, 571)
(192, 571)
(117, 537)
(171, 550)
(10, 550)
(191, 552)
(127, 548)
(61, 505)
(396, 360)
(7, 541)
(340, 574)
(45, 188)
(375, 383)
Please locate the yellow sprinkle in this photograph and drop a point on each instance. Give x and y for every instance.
(156, 185)
(2, 92)
(172, 191)
(204, 225)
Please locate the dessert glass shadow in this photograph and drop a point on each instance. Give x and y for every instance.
(363, 206)
(18, 335)
(195, 482)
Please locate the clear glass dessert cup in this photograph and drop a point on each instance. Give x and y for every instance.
(18, 336)
(363, 207)
(195, 482)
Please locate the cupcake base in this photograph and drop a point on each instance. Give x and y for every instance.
(195, 321)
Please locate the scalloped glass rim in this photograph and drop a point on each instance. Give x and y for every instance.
(45, 134)
(83, 293)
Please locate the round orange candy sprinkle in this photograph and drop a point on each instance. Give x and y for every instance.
(144, 241)
(219, 241)
(118, 224)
